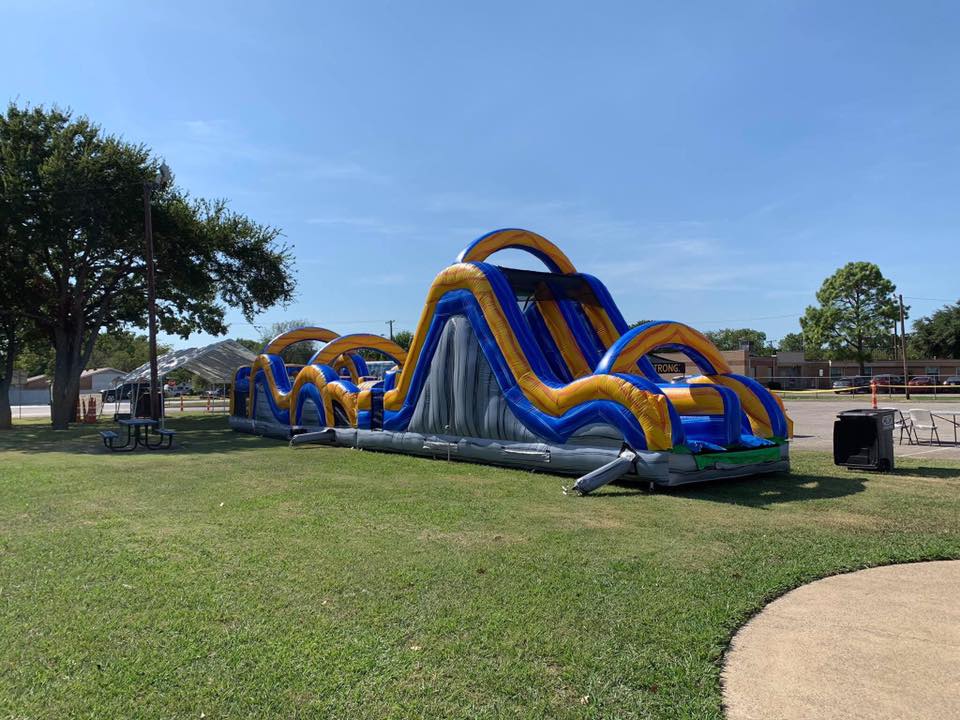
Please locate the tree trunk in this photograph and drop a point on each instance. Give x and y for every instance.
(6, 380)
(66, 379)
(73, 351)
(6, 416)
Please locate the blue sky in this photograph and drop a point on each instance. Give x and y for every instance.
(711, 162)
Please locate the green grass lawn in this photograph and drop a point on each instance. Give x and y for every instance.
(237, 577)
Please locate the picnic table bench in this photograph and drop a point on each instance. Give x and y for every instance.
(138, 435)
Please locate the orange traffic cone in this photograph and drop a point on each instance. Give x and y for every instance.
(91, 415)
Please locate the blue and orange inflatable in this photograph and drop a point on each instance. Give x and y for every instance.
(523, 368)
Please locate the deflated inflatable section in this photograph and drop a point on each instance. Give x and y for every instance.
(528, 369)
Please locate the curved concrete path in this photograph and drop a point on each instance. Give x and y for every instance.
(879, 643)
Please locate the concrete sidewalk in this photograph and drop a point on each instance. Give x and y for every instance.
(879, 644)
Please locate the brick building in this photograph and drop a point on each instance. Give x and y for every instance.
(793, 370)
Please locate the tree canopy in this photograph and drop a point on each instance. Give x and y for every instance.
(72, 209)
(856, 313)
(791, 342)
(120, 349)
(403, 338)
(733, 338)
(937, 336)
(796, 342)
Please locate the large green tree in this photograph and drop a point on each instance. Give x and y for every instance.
(732, 339)
(937, 336)
(403, 338)
(791, 342)
(120, 349)
(73, 196)
(12, 327)
(795, 342)
(856, 313)
(16, 333)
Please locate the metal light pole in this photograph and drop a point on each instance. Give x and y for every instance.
(903, 343)
(161, 180)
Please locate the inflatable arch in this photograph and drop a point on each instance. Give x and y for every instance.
(517, 367)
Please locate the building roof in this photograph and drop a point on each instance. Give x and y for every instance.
(98, 371)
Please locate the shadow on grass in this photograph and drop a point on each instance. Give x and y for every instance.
(948, 473)
(774, 489)
(208, 434)
(759, 491)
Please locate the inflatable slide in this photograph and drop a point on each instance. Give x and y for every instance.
(522, 368)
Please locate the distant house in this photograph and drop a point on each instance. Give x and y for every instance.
(97, 379)
(36, 390)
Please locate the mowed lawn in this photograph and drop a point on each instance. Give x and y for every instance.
(237, 577)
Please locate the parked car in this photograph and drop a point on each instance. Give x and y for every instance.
(952, 381)
(177, 390)
(213, 393)
(116, 394)
(888, 383)
(922, 383)
(851, 385)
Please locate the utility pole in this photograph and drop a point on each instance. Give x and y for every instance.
(148, 187)
(903, 346)
(390, 323)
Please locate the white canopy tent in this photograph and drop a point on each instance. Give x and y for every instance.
(216, 363)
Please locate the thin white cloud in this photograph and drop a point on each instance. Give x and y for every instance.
(202, 128)
(364, 224)
(212, 142)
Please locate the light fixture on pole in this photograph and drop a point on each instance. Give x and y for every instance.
(160, 181)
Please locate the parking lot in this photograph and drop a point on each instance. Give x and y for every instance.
(813, 424)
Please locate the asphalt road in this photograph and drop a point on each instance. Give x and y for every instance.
(173, 408)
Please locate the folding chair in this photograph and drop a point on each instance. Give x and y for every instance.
(905, 425)
(923, 420)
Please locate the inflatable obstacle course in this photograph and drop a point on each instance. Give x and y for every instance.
(521, 368)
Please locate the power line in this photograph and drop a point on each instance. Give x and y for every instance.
(734, 320)
(945, 300)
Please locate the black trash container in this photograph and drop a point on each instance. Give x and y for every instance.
(142, 407)
(863, 439)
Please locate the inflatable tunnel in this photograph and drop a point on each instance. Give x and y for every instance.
(522, 368)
